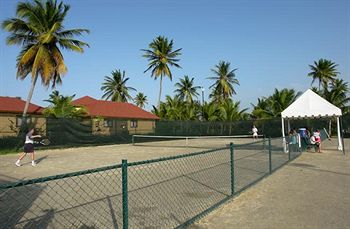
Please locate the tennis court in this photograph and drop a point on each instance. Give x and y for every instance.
(162, 193)
(57, 161)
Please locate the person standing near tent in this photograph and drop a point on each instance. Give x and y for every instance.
(317, 136)
(255, 132)
(28, 147)
(304, 137)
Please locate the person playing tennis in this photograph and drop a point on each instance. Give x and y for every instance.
(28, 147)
(255, 132)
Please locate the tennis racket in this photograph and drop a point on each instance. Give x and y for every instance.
(44, 142)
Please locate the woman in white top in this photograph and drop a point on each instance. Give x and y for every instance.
(255, 132)
(28, 147)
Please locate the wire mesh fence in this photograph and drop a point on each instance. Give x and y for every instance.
(161, 193)
(164, 193)
(86, 199)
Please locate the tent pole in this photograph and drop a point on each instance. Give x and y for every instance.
(340, 145)
(283, 136)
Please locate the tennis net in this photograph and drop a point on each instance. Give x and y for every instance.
(204, 142)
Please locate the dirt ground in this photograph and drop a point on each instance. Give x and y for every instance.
(311, 192)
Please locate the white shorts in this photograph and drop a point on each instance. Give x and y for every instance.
(255, 135)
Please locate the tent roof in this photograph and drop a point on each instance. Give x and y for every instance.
(310, 105)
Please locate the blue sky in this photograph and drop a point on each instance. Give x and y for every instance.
(271, 43)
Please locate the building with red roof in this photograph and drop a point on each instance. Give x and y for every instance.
(107, 117)
(11, 110)
(111, 117)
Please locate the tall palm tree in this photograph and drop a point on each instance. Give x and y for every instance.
(160, 56)
(115, 87)
(224, 80)
(39, 29)
(324, 71)
(62, 107)
(140, 100)
(186, 90)
(216, 97)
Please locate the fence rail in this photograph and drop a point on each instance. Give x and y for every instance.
(169, 192)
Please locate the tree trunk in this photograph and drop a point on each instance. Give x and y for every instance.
(160, 90)
(29, 98)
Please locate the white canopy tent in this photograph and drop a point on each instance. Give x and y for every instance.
(311, 105)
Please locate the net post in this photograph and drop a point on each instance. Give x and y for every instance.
(125, 193)
(232, 169)
(186, 142)
(270, 156)
(133, 140)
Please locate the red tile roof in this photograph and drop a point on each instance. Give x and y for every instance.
(112, 109)
(16, 105)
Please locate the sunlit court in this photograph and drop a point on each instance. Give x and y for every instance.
(173, 169)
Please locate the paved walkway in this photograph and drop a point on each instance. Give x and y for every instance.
(311, 192)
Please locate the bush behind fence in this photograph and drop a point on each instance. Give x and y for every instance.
(71, 132)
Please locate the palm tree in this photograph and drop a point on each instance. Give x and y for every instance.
(191, 111)
(273, 105)
(173, 107)
(115, 87)
(39, 29)
(224, 80)
(262, 109)
(229, 111)
(216, 97)
(281, 99)
(211, 111)
(337, 95)
(324, 71)
(62, 107)
(140, 100)
(186, 90)
(160, 55)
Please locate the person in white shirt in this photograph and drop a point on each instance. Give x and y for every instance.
(28, 147)
(255, 132)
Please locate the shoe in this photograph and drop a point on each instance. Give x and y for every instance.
(33, 164)
(17, 164)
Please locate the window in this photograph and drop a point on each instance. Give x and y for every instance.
(19, 120)
(108, 123)
(133, 124)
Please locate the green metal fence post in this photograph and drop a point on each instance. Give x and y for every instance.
(232, 169)
(125, 193)
(270, 156)
(132, 140)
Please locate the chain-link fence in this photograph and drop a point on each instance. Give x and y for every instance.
(161, 193)
(85, 199)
